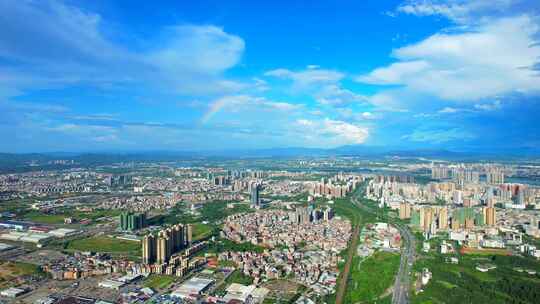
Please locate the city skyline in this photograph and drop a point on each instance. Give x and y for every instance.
(112, 76)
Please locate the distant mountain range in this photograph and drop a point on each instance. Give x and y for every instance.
(18, 159)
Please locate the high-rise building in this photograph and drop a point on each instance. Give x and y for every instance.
(443, 218)
(162, 248)
(255, 196)
(439, 172)
(189, 234)
(489, 216)
(149, 249)
(302, 215)
(404, 211)
(159, 249)
(328, 214)
(426, 217)
(132, 221)
(495, 176)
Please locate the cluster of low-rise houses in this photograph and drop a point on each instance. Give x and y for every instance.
(304, 243)
(316, 227)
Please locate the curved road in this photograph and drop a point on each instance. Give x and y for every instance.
(402, 283)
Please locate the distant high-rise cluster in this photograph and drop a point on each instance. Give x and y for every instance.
(440, 172)
(466, 176)
(338, 186)
(130, 221)
(159, 249)
(494, 176)
(408, 179)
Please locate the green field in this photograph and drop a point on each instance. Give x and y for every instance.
(371, 277)
(158, 281)
(41, 218)
(106, 244)
(58, 218)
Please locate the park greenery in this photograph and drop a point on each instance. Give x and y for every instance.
(463, 283)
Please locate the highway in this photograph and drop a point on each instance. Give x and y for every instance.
(402, 283)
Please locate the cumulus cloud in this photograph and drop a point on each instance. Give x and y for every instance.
(329, 132)
(203, 49)
(490, 59)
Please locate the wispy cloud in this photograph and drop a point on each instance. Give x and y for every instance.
(242, 102)
(313, 75)
(460, 11)
(438, 136)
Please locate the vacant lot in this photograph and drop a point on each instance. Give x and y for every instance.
(10, 271)
(283, 291)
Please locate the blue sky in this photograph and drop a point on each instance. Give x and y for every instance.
(118, 76)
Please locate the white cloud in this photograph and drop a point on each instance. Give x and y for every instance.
(238, 103)
(449, 110)
(490, 59)
(334, 95)
(202, 49)
(456, 10)
(305, 122)
(64, 45)
(488, 106)
(328, 132)
(394, 73)
(310, 76)
(367, 115)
